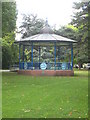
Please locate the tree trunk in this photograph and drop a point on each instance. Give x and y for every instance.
(79, 65)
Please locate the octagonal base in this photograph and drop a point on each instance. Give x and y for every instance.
(47, 72)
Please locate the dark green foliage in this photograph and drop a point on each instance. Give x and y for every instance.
(68, 31)
(8, 17)
(78, 30)
(80, 20)
(6, 56)
(9, 51)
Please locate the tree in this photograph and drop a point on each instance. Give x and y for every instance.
(6, 54)
(9, 16)
(31, 25)
(80, 20)
(9, 51)
(68, 31)
(78, 30)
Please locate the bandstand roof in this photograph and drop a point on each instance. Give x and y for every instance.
(46, 35)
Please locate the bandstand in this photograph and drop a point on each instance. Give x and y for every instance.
(46, 54)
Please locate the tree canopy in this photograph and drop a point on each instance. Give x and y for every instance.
(31, 25)
(78, 30)
(80, 20)
(9, 51)
(9, 16)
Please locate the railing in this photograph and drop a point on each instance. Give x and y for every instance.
(50, 66)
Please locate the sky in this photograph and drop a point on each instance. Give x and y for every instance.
(58, 12)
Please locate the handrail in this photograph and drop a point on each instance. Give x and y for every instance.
(50, 65)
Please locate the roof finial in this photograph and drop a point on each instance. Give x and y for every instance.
(46, 29)
(46, 23)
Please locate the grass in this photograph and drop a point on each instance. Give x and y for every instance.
(45, 97)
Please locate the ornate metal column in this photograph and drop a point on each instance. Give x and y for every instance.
(58, 53)
(23, 55)
(32, 55)
(71, 57)
(19, 56)
(55, 55)
(39, 56)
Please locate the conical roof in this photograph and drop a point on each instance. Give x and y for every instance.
(46, 35)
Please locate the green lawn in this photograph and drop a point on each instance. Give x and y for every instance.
(45, 97)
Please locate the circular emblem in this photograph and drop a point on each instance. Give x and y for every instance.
(43, 66)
